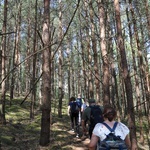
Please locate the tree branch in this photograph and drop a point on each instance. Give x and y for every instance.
(31, 89)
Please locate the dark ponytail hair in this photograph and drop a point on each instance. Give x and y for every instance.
(72, 99)
(109, 112)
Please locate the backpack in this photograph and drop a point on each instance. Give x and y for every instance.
(95, 116)
(84, 106)
(74, 107)
(79, 102)
(112, 141)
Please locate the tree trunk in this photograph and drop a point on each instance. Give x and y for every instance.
(83, 52)
(102, 17)
(137, 87)
(72, 75)
(146, 2)
(89, 73)
(126, 76)
(79, 62)
(15, 61)
(17, 54)
(46, 99)
(60, 57)
(94, 48)
(68, 69)
(28, 51)
(3, 86)
(33, 97)
(140, 58)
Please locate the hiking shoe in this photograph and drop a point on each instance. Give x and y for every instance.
(77, 135)
(72, 130)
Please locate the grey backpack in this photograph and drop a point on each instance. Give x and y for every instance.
(112, 142)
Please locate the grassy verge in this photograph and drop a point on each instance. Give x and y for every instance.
(20, 133)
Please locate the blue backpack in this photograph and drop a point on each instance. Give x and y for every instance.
(112, 141)
(79, 102)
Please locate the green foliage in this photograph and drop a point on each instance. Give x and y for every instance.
(19, 130)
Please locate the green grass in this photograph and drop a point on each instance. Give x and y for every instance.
(20, 133)
(19, 130)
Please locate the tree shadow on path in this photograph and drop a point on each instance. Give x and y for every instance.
(63, 138)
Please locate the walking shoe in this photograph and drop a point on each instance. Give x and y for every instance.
(77, 135)
(72, 130)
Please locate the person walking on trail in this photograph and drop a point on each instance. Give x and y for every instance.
(73, 112)
(91, 115)
(79, 102)
(102, 130)
(84, 105)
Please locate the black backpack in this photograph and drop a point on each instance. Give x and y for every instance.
(112, 141)
(95, 116)
(74, 108)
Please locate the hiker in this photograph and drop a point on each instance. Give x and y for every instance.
(73, 112)
(92, 114)
(84, 105)
(101, 130)
(79, 102)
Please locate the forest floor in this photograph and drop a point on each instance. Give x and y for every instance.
(20, 133)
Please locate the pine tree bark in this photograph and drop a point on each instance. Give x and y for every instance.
(102, 25)
(72, 75)
(83, 52)
(126, 76)
(33, 97)
(146, 2)
(94, 48)
(68, 69)
(140, 59)
(89, 73)
(60, 57)
(3, 85)
(136, 78)
(16, 56)
(78, 74)
(46, 85)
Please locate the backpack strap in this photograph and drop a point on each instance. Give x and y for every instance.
(108, 127)
(115, 125)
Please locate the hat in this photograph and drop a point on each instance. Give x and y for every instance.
(91, 100)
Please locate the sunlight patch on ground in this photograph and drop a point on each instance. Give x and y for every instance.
(80, 148)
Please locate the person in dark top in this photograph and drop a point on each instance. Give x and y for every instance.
(79, 101)
(86, 116)
(73, 112)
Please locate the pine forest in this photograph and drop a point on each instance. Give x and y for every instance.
(51, 50)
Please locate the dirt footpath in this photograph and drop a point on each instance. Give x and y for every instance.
(79, 143)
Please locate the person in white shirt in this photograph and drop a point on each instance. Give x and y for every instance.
(84, 105)
(100, 131)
